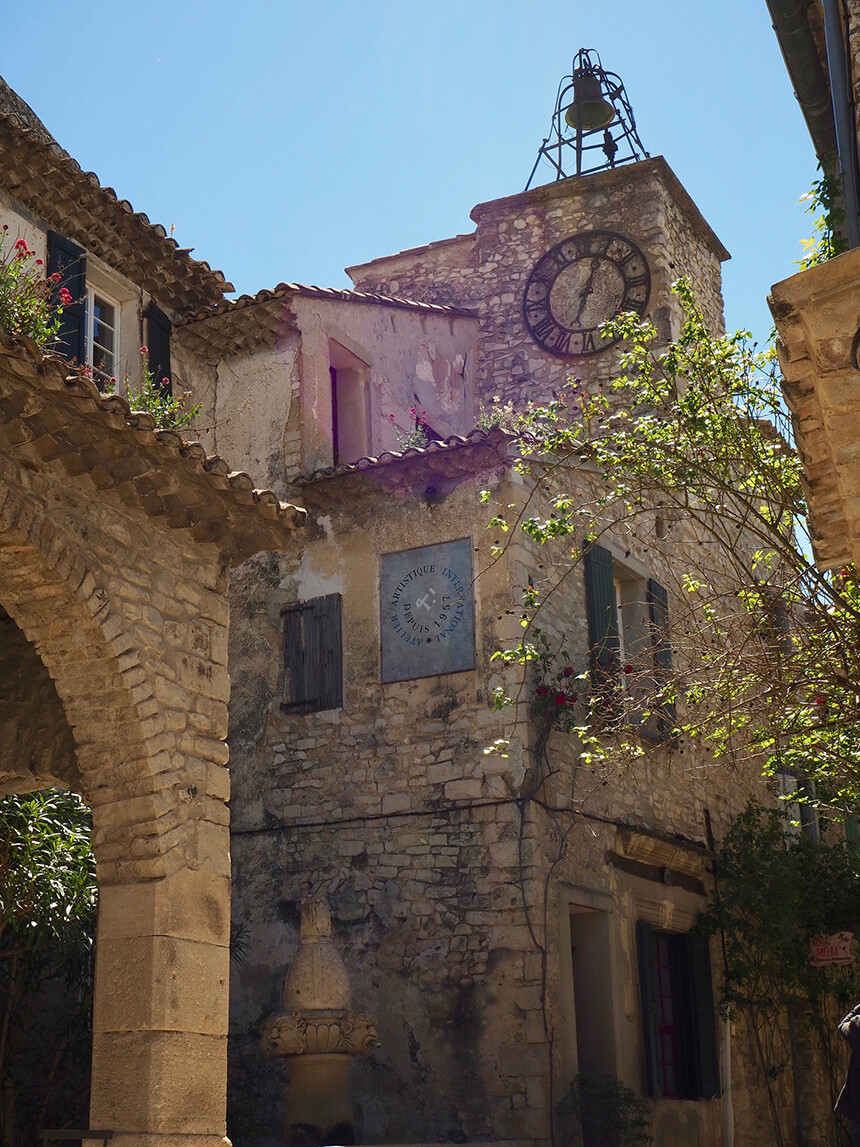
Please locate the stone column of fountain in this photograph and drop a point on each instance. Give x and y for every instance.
(318, 1036)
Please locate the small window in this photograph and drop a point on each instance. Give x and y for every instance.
(313, 669)
(628, 633)
(350, 439)
(678, 1018)
(102, 334)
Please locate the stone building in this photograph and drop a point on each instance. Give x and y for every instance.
(116, 542)
(506, 918)
(815, 311)
(511, 920)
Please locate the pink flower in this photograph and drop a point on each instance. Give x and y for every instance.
(65, 297)
(55, 278)
(21, 244)
(144, 350)
(165, 381)
(391, 418)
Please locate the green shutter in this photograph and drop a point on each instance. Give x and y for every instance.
(658, 612)
(652, 1082)
(603, 638)
(706, 1068)
(313, 661)
(69, 261)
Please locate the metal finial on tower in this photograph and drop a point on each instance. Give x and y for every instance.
(592, 115)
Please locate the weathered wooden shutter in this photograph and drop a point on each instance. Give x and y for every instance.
(652, 1082)
(705, 1081)
(69, 261)
(158, 341)
(313, 662)
(658, 612)
(603, 637)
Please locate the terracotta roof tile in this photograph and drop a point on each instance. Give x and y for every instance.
(40, 175)
(285, 290)
(171, 478)
(498, 440)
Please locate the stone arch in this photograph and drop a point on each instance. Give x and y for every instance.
(159, 836)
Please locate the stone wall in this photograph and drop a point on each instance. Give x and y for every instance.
(489, 273)
(453, 875)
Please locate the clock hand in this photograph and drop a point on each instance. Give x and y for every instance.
(588, 289)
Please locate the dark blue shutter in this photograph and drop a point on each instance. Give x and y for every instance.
(69, 261)
(158, 342)
(658, 612)
(653, 1084)
(705, 1064)
(313, 659)
(603, 638)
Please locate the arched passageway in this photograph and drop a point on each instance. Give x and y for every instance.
(115, 542)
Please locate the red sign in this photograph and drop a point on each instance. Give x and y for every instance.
(835, 949)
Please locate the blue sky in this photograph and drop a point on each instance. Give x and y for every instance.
(288, 140)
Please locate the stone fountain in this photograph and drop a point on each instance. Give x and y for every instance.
(318, 1036)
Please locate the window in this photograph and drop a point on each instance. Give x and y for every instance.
(628, 629)
(678, 1021)
(349, 405)
(798, 816)
(90, 325)
(102, 336)
(313, 655)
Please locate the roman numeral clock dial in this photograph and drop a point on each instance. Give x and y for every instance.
(580, 283)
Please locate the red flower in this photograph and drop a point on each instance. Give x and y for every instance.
(5, 226)
(55, 278)
(628, 668)
(391, 418)
(572, 699)
(38, 262)
(21, 244)
(567, 671)
(561, 698)
(541, 690)
(65, 297)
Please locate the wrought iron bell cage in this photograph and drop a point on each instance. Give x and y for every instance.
(593, 127)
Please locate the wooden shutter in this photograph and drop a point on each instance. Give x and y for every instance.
(313, 662)
(652, 1082)
(705, 1081)
(658, 613)
(69, 261)
(603, 637)
(158, 341)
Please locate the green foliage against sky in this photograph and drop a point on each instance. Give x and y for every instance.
(766, 648)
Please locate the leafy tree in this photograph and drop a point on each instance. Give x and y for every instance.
(691, 447)
(47, 917)
(773, 891)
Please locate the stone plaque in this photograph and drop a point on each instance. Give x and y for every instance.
(427, 611)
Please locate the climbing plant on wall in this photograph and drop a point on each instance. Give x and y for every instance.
(773, 891)
(690, 454)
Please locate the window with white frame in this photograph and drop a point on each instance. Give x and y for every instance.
(102, 336)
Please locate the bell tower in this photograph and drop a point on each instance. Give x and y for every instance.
(545, 268)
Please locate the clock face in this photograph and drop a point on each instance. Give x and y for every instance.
(579, 284)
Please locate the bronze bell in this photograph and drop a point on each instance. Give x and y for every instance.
(589, 110)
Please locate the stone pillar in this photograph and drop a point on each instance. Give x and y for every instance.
(160, 1010)
(318, 1036)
